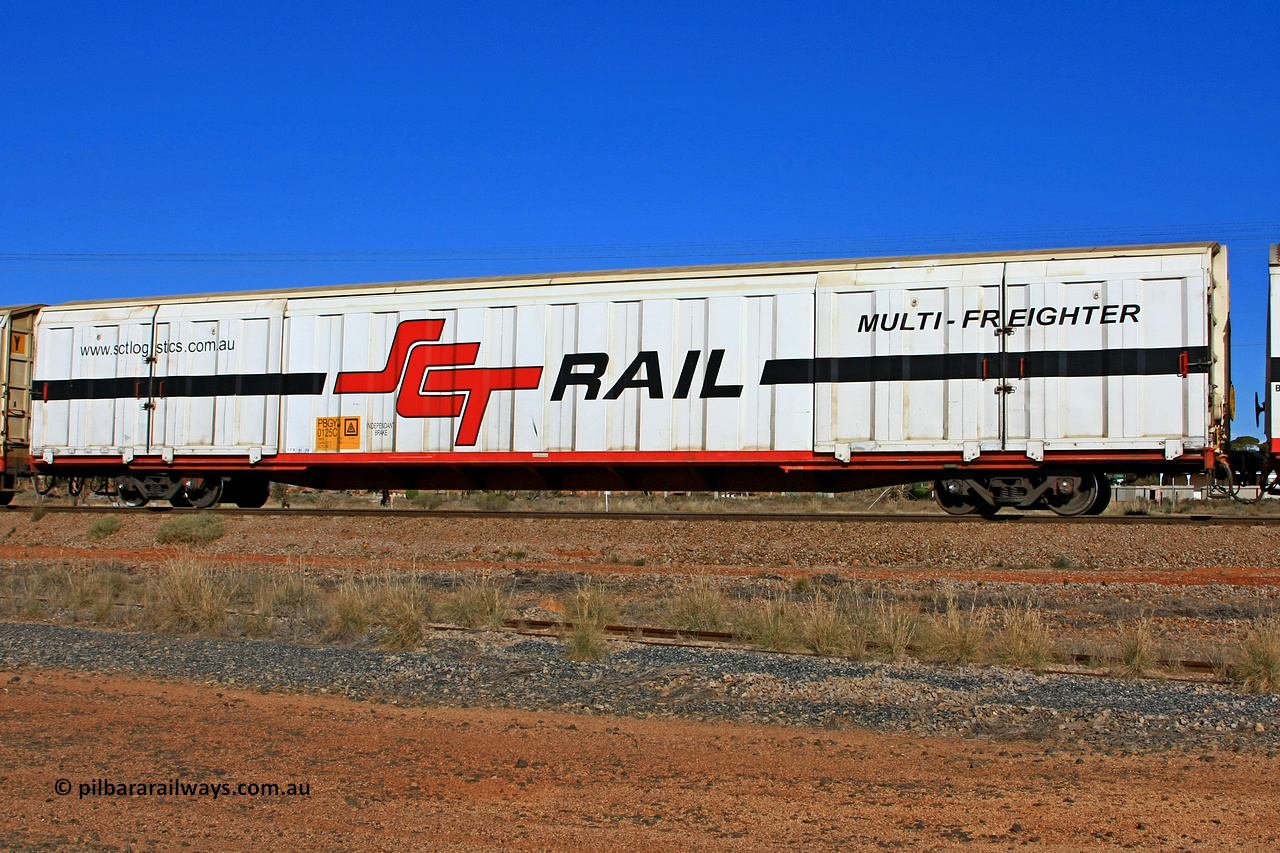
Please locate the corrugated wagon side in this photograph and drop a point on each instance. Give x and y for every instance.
(1012, 380)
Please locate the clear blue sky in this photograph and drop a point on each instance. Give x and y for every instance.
(170, 147)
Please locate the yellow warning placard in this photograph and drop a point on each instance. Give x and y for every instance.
(341, 433)
(350, 437)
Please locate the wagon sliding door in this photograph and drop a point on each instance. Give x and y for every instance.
(1107, 353)
(901, 360)
(92, 381)
(215, 365)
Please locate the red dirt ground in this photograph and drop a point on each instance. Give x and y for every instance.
(388, 778)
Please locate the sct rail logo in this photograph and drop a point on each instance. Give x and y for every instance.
(433, 380)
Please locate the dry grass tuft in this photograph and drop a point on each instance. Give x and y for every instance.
(698, 606)
(824, 630)
(403, 609)
(956, 637)
(189, 598)
(95, 591)
(771, 626)
(348, 608)
(1023, 639)
(1137, 654)
(277, 600)
(585, 642)
(590, 610)
(893, 628)
(591, 604)
(480, 603)
(1257, 662)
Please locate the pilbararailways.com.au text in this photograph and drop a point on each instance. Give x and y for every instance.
(178, 787)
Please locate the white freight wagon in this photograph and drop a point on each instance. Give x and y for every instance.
(1013, 379)
(1272, 396)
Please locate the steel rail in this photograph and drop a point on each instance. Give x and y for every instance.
(678, 636)
(1189, 519)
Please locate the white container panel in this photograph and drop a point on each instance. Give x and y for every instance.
(499, 352)
(201, 344)
(622, 415)
(657, 335)
(95, 345)
(301, 355)
(924, 402)
(559, 417)
(51, 421)
(689, 411)
(793, 405)
(590, 428)
(533, 345)
(723, 420)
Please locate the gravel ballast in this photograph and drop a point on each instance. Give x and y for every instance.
(507, 670)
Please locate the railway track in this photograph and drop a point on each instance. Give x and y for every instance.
(1189, 519)
(1198, 669)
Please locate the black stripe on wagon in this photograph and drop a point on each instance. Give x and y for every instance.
(227, 385)
(1017, 365)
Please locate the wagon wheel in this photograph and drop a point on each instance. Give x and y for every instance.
(201, 492)
(964, 504)
(1080, 500)
(131, 495)
(1103, 499)
(252, 494)
(1269, 485)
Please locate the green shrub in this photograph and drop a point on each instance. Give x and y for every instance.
(426, 500)
(103, 527)
(190, 530)
(492, 501)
